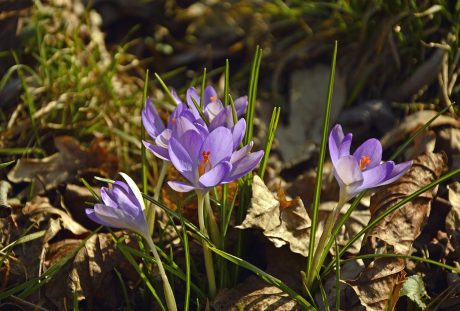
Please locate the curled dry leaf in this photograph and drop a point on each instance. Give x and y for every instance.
(379, 283)
(40, 206)
(62, 166)
(415, 121)
(288, 225)
(252, 295)
(86, 275)
(286, 221)
(453, 217)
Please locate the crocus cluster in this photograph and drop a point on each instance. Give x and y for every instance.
(364, 168)
(205, 151)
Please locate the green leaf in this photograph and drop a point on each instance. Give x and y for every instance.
(414, 289)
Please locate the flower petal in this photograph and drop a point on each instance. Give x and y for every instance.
(244, 165)
(107, 197)
(210, 95)
(162, 140)
(223, 118)
(93, 216)
(215, 176)
(238, 132)
(336, 137)
(192, 93)
(375, 176)
(220, 145)
(398, 171)
(134, 189)
(192, 141)
(180, 186)
(180, 159)
(160, 152)
(239, 154)
(151, 119)
(347, 171)
(372, 149)
(241, 103)
(182, 125)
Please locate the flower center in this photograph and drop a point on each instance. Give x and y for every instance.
(212, 98)
(173, 121)
(364, 162)
(204, 163)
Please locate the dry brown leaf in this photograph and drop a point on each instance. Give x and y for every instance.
(286, 221)
(415, 121)
(253, 295)
(62, 166)
(40, 206)
(290, 225)
(379, 283)
(89, 276)
(453, 217)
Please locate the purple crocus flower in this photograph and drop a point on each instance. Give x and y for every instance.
(160, 133)
(123, 207)
(362, 170)
(214, 110)
(209, 159)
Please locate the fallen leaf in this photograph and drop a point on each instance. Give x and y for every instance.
(253, 295)
(379, 283)
(62, 166)
(453, 217)
(286, 222)
(413, 122)
(89, 276)
(40, 206)
(414, 289)
(281, 225)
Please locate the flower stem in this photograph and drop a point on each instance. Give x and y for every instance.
(156, 195)
(213, 228)
(169, 294)
(208, 262)
(319, 256)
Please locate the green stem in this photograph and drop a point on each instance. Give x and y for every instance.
(320, 250)
(169, 294)
(156, 195)
(213, 227)
(208, 262)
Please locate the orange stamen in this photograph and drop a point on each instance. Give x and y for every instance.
(364, 161)
(204, 163)
(173, 121)
(212, 98)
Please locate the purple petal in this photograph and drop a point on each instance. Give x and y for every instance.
(162, 140)
(180, 159)
(192, 141)
(113, 217)
(241, 103)
(134, 190)
(238, 133)
(244, 165)
(180, 186)
(375, 176)
(213, 109)
(336, 137)
(219, 143)
(347, 171)
(223, 118)
(214, 176)
(107, 197)
(176, 97)
(151, 120)
(372, 149)
(239, 154)
(93, 216)
(160, 152)
(344, 149)
(181, 126)
(192, 93)
(210, 95)
(398, 171)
